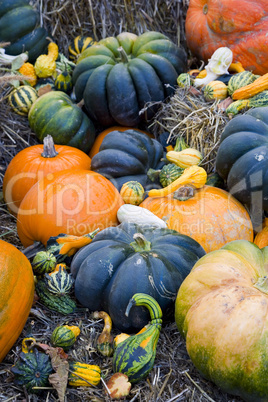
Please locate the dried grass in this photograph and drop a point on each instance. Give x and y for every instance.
(198, 122)
(173, 377)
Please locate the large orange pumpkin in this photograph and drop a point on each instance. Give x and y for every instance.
(98, 141)
(33, 163)
(16, 295)
(74, 202)
(241, 25)
(212, 216)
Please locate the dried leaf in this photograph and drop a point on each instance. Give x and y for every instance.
(119, 386)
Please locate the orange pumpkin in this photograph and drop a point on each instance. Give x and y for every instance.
(241, 25)
(211, 216)
(73, 202)
(261, 238)
(98, 141)
(16, 295)
(33, 163)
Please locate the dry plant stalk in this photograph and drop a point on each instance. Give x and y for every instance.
(200, 123)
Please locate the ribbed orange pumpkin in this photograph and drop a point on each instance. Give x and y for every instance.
(16, 295)
(33, 163)
(73, 202)
(241, 25)
(211, 216)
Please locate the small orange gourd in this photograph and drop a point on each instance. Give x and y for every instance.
(261, 238)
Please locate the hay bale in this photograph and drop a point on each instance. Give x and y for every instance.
(200, 123)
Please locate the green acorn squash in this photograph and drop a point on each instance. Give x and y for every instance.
(127, 156)
(54, 113)
(19, 24)
(124, 260)
(119, 75)
(242, 158)
(32, 370)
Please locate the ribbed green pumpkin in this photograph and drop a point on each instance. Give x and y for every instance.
(22, 98)
(63, 82)
(240, 80)
(119, 75)
(43, 262)
(169, 173)
(19, 24)
(127, 156)
(54, 113)
(136, 354)
(242, 158)
(63, 304)
(60, 282)
(64, 336)
(32, 370)
(126, 259)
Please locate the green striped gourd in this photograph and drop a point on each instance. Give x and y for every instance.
(63, 82)
(135, 355)
(78, 45)
(64, 336)
(261, 99)
(184, 80)
(132, 192)
(22, 98)
(32, 370)
(59, 282)
(43, 262)
(240, 80)
(215, 90)
(63, 304)
(258, 100)
(236, 106)
(169, 173)
(87, 374)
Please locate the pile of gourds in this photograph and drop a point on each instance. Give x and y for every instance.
(118, 220)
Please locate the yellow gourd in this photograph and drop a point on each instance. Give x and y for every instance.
(194, 175)
(257, 86)
(185, 158)
(45, 64)
(83, 375)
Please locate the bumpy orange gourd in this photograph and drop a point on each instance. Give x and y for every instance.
(212, 216)
(33, 163)
(16, 295)
(73, 202)
(241, 25)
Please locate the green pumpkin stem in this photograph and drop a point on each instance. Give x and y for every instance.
(49, 148)
(123, 55)
(153, 174)
(140, 243)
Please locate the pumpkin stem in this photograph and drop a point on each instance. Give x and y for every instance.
(184, 193)
(140, 243)
(153, 174)
(123, 55)
(262, 284)
(49, 148)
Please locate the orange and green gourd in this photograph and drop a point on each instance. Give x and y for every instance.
(135, 355)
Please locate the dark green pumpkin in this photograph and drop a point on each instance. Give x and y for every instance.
(19, 24)
(54, 113)
(242, 159)
(127, 156)
(124, 260)
(32, 370)
(135, 355)
(119, 75)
